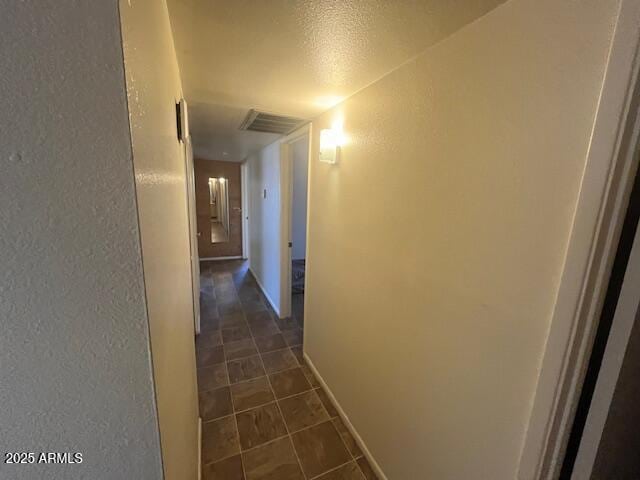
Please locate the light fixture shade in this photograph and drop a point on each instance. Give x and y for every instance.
(182, 117)
(329, 146)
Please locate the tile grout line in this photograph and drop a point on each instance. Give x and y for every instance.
(235, 417)
(310, 426)
(267, 403)
(228, 385)
(276, 400)
(262, 405)
(331, 419)
(225, 362)
(293, 447)
(226, 366)
(331, 470)
(311, 389)
(251, 336)
(270, 351)
(224, 355)
(248, 449)
(288, 347)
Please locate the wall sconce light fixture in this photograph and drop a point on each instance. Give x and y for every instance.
(331, 140)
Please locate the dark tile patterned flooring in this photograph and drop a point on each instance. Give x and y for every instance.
(265, 416)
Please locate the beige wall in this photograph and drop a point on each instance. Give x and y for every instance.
(264, 220)
(437, 301)
(75, 373)
(153, 85)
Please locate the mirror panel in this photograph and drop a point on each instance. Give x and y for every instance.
(219, 209)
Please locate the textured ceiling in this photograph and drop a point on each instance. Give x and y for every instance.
(295, 57)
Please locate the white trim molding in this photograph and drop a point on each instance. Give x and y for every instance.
(199, 448)
(265, 293)
(244, 205)
(601, 207)
(219, 259)
(623, 323)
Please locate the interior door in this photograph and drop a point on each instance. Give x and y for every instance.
(193, 232)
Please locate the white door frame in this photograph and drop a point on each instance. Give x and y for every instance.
(286, 206)
(193, 232)
(601, 207)
(244, 206)
(614, 355)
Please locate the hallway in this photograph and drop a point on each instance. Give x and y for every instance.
(436, 195)
(264, 414)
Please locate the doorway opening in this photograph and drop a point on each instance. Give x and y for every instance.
(300, 177)
(294, 188)
(219, 205)
(603, 437)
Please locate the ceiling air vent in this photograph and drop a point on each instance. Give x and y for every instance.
(270, 123)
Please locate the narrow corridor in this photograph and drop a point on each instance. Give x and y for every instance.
(264, 414)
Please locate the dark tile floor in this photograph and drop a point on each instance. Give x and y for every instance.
(264, 414)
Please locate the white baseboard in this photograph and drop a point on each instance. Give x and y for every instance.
(199, 448)
(265, 293)
(378, 471)
(218, 259)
